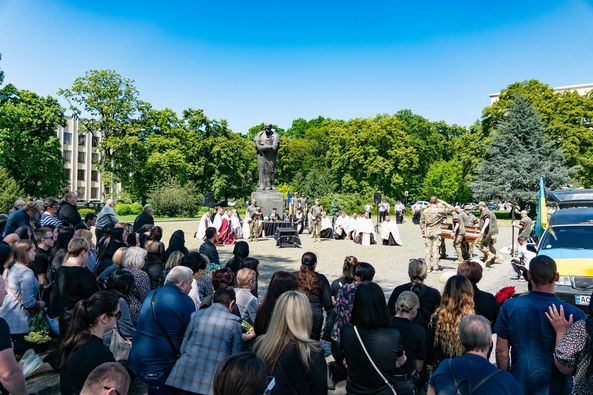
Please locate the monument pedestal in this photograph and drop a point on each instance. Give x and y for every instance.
(268, 200)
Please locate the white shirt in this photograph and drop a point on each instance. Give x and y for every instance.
(525, 255)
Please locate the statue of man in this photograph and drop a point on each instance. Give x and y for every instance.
(267, 142)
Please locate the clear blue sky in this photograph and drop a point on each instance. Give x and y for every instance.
(255, 61)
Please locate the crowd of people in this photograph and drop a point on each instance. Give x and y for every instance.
(183, 322)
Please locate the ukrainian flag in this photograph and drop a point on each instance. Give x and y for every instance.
(541, 222)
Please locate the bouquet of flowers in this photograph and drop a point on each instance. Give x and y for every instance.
(38, 329)
(504, 294)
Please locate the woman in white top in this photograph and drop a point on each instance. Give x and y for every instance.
(246, 302)
(22, 291)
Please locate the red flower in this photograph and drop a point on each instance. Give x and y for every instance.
(504, 294)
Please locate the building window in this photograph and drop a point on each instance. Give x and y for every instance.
(67, 173)
(67, 156)
(80, 191)
(95, 157)
(80, 175)
(67, 138)
(81, 140)
(94, 193)
(94, 175)
(81, 157)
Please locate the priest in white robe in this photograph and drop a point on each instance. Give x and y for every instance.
(327, 231)
(236, 224)
(205, 223)
(341, 226)
(217, 222)
(390, 233)
(352, 221)
(365, 231)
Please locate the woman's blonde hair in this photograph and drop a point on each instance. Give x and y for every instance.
(456, 303)
(18, 253)
(291, 322)
(118, 256)
(173, 260)
(245, 278)
(85, 233)
(135, 257)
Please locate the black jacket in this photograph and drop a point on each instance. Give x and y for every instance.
(141, 220)
(68, 214)
(209, 249)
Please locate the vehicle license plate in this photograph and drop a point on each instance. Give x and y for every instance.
(582, 300)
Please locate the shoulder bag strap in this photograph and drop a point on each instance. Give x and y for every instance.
(173, 348)
(472, 389)
(373, 363)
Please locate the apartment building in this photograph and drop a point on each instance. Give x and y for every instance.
(81, 157)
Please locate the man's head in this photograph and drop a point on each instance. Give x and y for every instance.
(475, 333)
(343, 213)
(148, 210)
(90, 219)
(522, 240)
(44, 238)
(225, 296)
(11, 238)
(523, 213)
(211, 233)
(434, 200)
(109, 378)
(267, 126)
(110, 203)
(19, 204)
(317, 201)
(180, 276)
(470, 269)
(274, 210)
(467, 208)
(354, 215)
(457, 209)
(387, 218)
(32, 209)
(481, 206)
(220, 210)
(542, 271)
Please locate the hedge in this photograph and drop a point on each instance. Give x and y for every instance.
(128, 209)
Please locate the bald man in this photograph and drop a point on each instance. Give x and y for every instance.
(107, 216)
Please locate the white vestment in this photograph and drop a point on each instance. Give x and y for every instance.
(217, 223)
(236, 225)
(205, 223)
(246, 221)
(342, 224)
(352, 223)
(326, 223)
(388, 228)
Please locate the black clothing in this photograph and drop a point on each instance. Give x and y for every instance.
(240, 252)
(41, 262)
(209, 249)
(116, 241)
(429, 297)
(382, 345)
(327, 233)
(141, 220)
(81, 225)
(292, 378)
(154, 266)
(143, 239)
(176, 243)
(434, 354)
(414, 342)
(486, 305)
(338, 284)
(73, 283)
(68, 214)
(81, 362)
(320, 299)
(5, 343)
(4, 254)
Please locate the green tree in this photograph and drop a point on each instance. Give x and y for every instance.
(29, 147)
(10, 191)
(252, 131)
(446, 180)
(519, 153)
(1, 73)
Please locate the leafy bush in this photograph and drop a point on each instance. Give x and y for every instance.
(174, 200)
(85, 211)
(128, 209)
(9, 191)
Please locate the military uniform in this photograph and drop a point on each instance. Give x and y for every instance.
(459, 242)
(254, 224)
(430, 223)
(316, 219)
(469, 219)
(525, 224)
(485, 241)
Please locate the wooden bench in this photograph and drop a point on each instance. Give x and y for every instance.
(471, 232)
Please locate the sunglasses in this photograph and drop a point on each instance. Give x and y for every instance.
(271, 384)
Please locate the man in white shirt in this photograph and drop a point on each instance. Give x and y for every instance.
(521, 265)
(217, 222)
(341, 226)
(365, 230)
(352, 221)
(390, 233)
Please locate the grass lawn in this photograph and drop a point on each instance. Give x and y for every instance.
(131, 218)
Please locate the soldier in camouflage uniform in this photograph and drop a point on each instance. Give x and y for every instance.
(316, 220)
(430, 223)
(459, 235)
(253, 211)
(469, 219)
(488, 231)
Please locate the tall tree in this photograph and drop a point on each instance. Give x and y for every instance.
(1, 73)
(446, 180)
(29, 147)
(519, 153)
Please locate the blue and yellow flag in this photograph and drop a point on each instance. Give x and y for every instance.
(541, 223)
(289, 203)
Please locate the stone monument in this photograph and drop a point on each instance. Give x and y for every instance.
(267, 143)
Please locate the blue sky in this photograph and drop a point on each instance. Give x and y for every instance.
(274, 61)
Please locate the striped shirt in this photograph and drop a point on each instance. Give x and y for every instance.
(48, 219)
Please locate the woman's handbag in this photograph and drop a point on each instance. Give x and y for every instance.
(119, 346)
(387, 383)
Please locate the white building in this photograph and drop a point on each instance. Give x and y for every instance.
(81, 157)
(581, 89)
